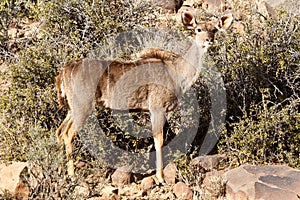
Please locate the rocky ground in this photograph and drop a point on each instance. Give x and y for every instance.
(274, 182)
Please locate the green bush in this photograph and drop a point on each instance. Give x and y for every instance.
(269, 134)
(261, 74)
(260, 68)
(70, 30)
(30, 115)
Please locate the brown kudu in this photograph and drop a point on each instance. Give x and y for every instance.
(87, 83)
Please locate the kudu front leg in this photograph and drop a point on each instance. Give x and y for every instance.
(158, 121)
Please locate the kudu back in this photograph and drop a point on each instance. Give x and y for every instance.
(152, 83)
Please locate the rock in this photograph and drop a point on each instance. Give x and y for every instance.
(161, 192)
(182, 191)
(274, 3)
(129, 190)
(12, 33)
(147, 183)
(121, 176)
(170, 173)
(109, 191)
(97, 198)
(214, 184)
(214, 5)
(82, 191)
(266, 9)
(263, 182)
(11, 180)
(169, 5)
(208, 162)
(113, 197)
(81, 165)
(212, 178)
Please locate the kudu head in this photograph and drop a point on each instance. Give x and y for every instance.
(205, 31)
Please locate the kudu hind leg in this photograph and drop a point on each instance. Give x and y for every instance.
(62, 128)
(67, 133)
(68, 139)
(158, 121)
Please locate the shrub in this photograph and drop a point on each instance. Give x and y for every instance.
(260, 70)
(30, 115)
(71, 30)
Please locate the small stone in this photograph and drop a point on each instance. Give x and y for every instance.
(12, 33)
(81, 164)
(109, 190)
(170, 173)
(208, 162)
(121, 176)
(82, 191)
(182, 191)
(167, 6)
(129, 190)
(213, 5)
(147, 183)
(212, 178)
(97, 198)
(114, 197)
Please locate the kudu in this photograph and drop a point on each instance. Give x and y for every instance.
(87, 83)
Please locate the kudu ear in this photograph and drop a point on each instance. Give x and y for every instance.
(225, 22)
(188, 19)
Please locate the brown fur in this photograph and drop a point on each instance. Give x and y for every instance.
(159, 54)
(58, 82)
(151, 83)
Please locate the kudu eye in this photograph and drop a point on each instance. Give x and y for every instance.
(198, 30)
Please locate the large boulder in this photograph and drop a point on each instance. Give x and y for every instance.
(263, 182)
(11, 180)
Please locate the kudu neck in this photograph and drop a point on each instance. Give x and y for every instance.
(191, 64)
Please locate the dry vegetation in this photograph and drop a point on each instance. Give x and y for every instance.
(260, 68)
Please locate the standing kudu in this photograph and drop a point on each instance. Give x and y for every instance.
(87, 83)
